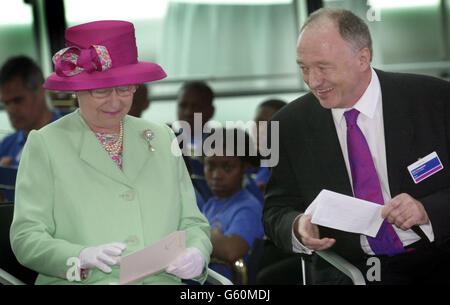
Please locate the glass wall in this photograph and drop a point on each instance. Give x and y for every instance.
(245, 49)
(16, 37)
(16, 30)
(147, 17)
(408, 36)
(240, 47)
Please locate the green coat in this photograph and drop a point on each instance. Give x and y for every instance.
(70, 195)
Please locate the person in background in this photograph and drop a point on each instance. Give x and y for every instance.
(358, 133)
(23, 97)
(195, 98)
(276, 267)
(264, 113)
(233, 212)
(99, 184)
(141, 101)
(195, 182)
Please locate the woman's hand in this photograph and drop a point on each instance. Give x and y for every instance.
(101, 257)
(189, 265)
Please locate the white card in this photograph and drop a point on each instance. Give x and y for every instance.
(345, 213)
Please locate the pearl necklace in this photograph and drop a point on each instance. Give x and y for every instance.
(114, 149)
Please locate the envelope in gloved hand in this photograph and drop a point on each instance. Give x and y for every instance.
(345, 213)
(152, 259)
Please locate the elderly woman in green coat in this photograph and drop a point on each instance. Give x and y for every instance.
(98, 184)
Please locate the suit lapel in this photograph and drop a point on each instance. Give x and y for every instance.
(327, 150)
(398, 131)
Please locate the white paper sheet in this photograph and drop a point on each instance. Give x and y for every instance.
(152, 259)
(345, 213)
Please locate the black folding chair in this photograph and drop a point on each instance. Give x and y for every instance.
(11, 271)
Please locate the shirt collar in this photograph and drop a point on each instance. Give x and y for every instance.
(367, 104)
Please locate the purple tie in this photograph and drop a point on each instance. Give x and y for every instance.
(367, 186)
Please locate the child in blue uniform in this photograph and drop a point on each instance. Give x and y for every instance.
(233, 212)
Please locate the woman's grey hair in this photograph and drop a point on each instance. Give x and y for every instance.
(352, 28)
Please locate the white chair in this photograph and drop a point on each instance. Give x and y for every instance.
(215, 278)
(8, 279)
(339, 263)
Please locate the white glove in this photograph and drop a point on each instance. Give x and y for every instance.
(189, 265)
(101, 257)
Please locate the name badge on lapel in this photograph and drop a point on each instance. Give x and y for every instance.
(425, 167)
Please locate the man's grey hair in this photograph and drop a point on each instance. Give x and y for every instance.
(25, 69)
(352, 28)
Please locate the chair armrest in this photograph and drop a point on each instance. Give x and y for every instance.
(238, 270)
(343, 265)
(217, 279)
(8, 279)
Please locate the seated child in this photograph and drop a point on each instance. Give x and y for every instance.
(233, 212)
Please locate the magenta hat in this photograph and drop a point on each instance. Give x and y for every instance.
(100, 54)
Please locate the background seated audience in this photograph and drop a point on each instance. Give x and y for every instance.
(233, 212)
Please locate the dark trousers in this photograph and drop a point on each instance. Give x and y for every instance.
(422, 264)
(427, 264)
(277, 267)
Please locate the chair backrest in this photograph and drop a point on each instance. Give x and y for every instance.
(244, 272)
(238, 268)
(8, 261)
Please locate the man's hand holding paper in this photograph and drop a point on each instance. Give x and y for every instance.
(354, 215)
(340, 212)
(345, 213)
(308, 234)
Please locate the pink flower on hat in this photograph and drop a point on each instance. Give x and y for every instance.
(66, 60)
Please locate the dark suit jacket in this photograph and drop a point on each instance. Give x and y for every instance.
(416, 114)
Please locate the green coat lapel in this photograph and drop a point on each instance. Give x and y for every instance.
(135, 149)
(135, 152)
(93, 153)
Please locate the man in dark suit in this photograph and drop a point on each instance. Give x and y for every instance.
(402, 118)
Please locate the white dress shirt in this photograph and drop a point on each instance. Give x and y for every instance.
(370, 121)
